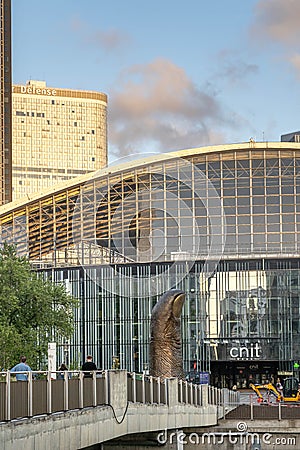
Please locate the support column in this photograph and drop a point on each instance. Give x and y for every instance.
(172, 384)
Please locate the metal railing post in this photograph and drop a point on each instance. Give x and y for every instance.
(94, 388)
(106, 387)
(180, 391)
(151, 390)
(80, 389)
(134, 387)
(7, 400)
(222, 401)
(158, 390)
(29, 387)
(279, 411)
(49, 393)
(143, 389)
(166, 392)
(66, 390)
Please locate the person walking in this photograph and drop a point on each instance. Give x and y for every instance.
(279, 387)
(61, 376)
(87, 366)
(21, 367)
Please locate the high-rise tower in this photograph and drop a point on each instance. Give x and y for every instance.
(6, 103)
(57, 134)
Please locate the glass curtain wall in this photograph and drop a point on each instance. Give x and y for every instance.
(246, 200)
(253, 305)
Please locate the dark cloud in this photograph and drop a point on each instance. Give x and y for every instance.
(157, 103)
(233, 68)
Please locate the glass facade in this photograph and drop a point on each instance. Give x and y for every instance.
(221, 223)
(239, 202)
(246, 315)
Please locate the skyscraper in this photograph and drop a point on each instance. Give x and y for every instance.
(6, 105)
(57, 134)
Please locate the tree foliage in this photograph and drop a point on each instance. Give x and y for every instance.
(33, 311)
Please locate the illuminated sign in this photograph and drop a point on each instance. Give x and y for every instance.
(252, 351)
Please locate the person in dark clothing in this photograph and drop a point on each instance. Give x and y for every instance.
(87, 366)
(61, 375)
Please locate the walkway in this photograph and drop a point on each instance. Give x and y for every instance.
(74, 413)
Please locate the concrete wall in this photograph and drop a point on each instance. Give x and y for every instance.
(227, 435)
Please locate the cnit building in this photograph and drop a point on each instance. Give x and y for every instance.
(222, 223)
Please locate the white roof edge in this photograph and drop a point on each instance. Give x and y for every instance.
(114, 169)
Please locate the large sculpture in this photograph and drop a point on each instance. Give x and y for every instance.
(165, 342)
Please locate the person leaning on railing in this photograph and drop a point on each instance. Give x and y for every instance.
(21, 367)
(88, 366)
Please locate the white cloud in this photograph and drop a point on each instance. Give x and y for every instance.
(278, 20)
(157, 103)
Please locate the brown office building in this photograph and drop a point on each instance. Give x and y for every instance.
(6, 126)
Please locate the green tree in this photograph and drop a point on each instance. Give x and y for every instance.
(33, 311)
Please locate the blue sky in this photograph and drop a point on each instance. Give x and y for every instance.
(177, 74)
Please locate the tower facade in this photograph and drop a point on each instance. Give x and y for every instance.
(6, 105)
(58, 134)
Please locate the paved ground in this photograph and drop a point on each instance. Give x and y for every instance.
(246, 395)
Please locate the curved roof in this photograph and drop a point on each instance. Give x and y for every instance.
(129, 212)
(159, 157)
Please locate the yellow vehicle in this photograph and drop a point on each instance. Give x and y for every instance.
(289, 393)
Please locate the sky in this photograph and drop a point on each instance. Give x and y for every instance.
(177, 74)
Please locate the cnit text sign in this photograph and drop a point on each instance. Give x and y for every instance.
(252, 351)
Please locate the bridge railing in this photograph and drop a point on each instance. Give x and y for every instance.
(192, 394)
(47, 392)
(44, 393)
(146, 389)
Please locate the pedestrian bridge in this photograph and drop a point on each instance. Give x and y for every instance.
(77, 412)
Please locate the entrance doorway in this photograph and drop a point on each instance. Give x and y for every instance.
(242, 373)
